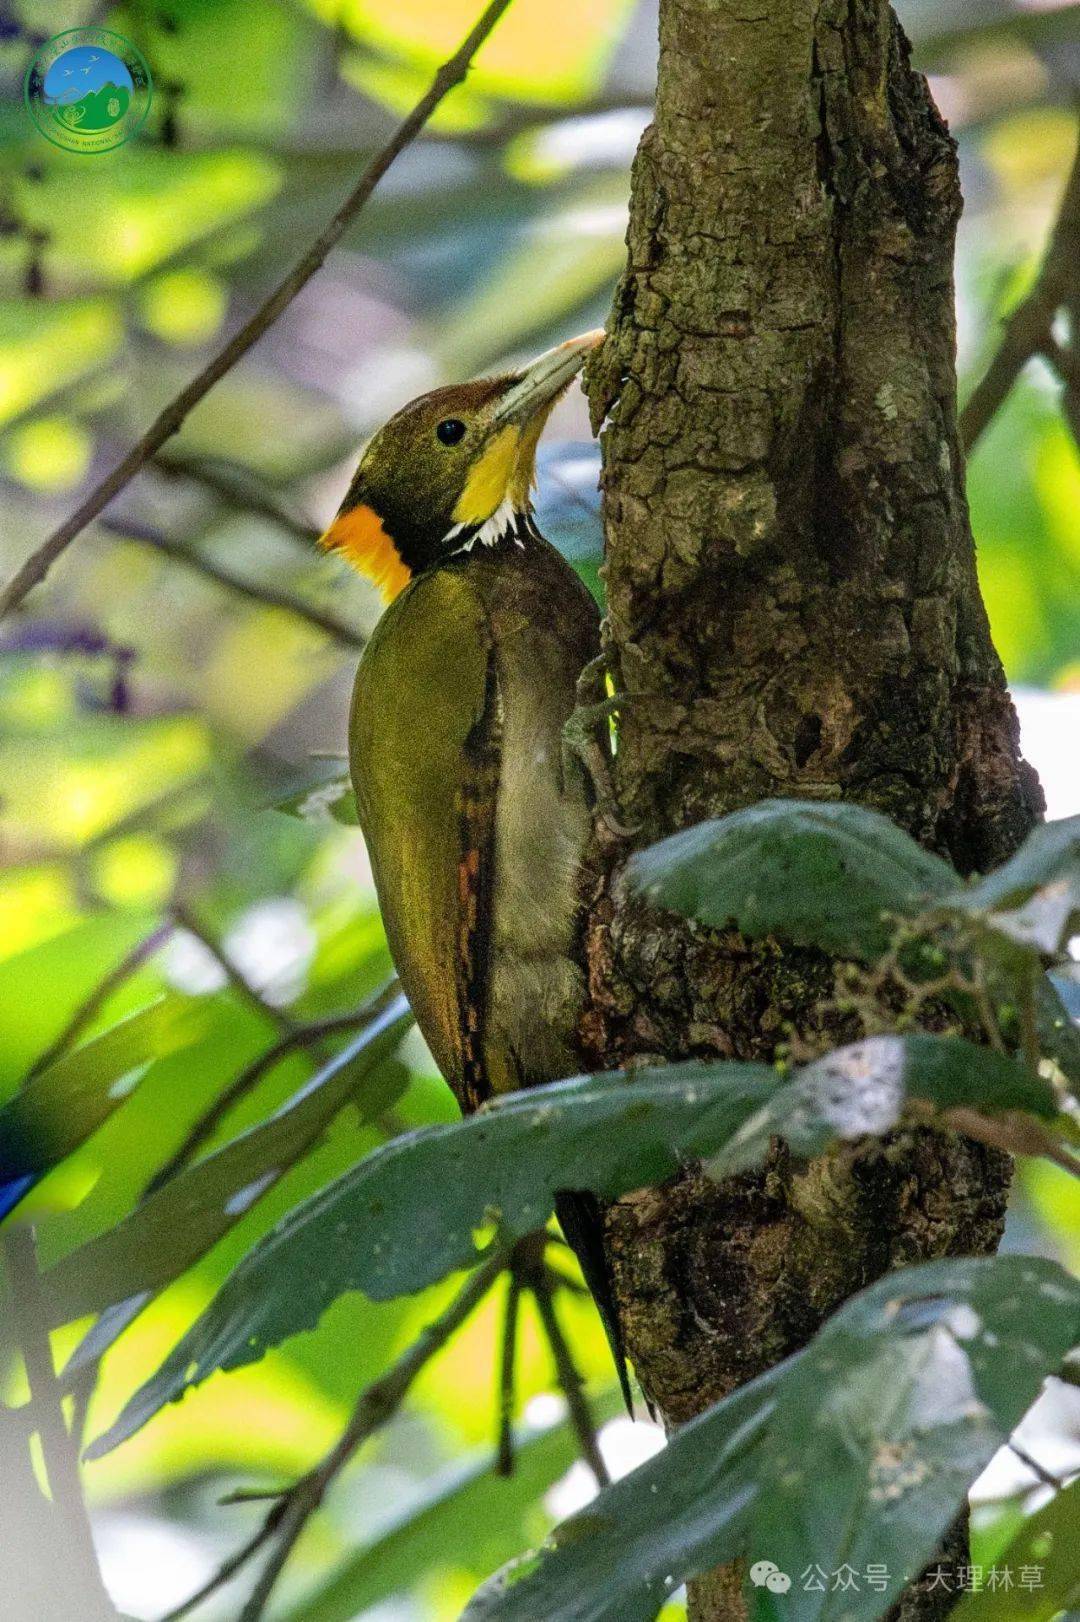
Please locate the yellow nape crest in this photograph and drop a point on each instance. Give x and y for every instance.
(360, 537)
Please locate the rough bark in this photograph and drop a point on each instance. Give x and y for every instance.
(793, 610)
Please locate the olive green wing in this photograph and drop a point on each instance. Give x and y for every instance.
(424, 749)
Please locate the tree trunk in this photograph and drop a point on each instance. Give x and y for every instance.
(793, 610)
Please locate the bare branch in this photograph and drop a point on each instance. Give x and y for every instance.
(89, 1009)
(452, 72)
(255, 591)
(375, 1408)
(1027, 331)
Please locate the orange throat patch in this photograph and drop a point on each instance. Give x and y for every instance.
(360, 538)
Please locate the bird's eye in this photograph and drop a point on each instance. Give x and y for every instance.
(451, 430)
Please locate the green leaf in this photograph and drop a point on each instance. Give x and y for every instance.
(683, 1511)
(859, 1449)
(898, 1404)
(409, 1213)
(1034, 897)
(1056, 1027)
(60, 1107)
(164, 1236)
(864, 1089)
(818, 874)
(1047, 1544)
(472, 1508)
(322, 794)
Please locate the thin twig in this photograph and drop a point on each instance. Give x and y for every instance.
(375, 1408)
(540, 1283)
(229, 1568)
(57, 1449)
(306, 1035)
(985, 1007)
(504, 1455)
(1029, 1028)
(1047, 1477)
(1066, 362)
(89, 1009)
(254, 590)
(452, 72)
(1027, 331)
(239, 489)
(233, 973)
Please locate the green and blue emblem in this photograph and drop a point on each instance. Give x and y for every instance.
(88, 90)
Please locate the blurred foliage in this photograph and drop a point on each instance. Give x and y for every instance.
(152, 719)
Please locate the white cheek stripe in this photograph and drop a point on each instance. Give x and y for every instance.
(502, 524)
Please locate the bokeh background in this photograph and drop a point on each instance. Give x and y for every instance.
(163, 724)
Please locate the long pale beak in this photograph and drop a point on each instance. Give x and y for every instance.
(544, 379)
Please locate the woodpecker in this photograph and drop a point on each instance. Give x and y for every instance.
(476, 817)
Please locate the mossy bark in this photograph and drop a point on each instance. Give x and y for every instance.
(793, 610)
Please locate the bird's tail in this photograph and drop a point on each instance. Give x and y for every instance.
(582, 1223)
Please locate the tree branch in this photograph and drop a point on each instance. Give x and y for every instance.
(504, 1447)
(236, 977)
(529, 1268)
(568, 1375)
(375, 1408)
(253, 590)
(238, 488)
(1028, 329)
(167, 423)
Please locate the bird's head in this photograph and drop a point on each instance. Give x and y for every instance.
(451, 470)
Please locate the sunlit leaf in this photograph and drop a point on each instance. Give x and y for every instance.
(544, 50)
(50, 453)
(1047, 1547)
(188, 1214)
(59, 1109)
(183, 306)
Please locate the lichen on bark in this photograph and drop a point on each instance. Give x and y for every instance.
(793, 610)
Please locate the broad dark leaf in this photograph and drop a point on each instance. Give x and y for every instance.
(864, 1088)
(896, 1407)
(1048, 1547)
(471, 1509)
(179, 1223)
(683, 1511)
(859, 1450)
(411, 1212)
(818, 874)
(60, 1107)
